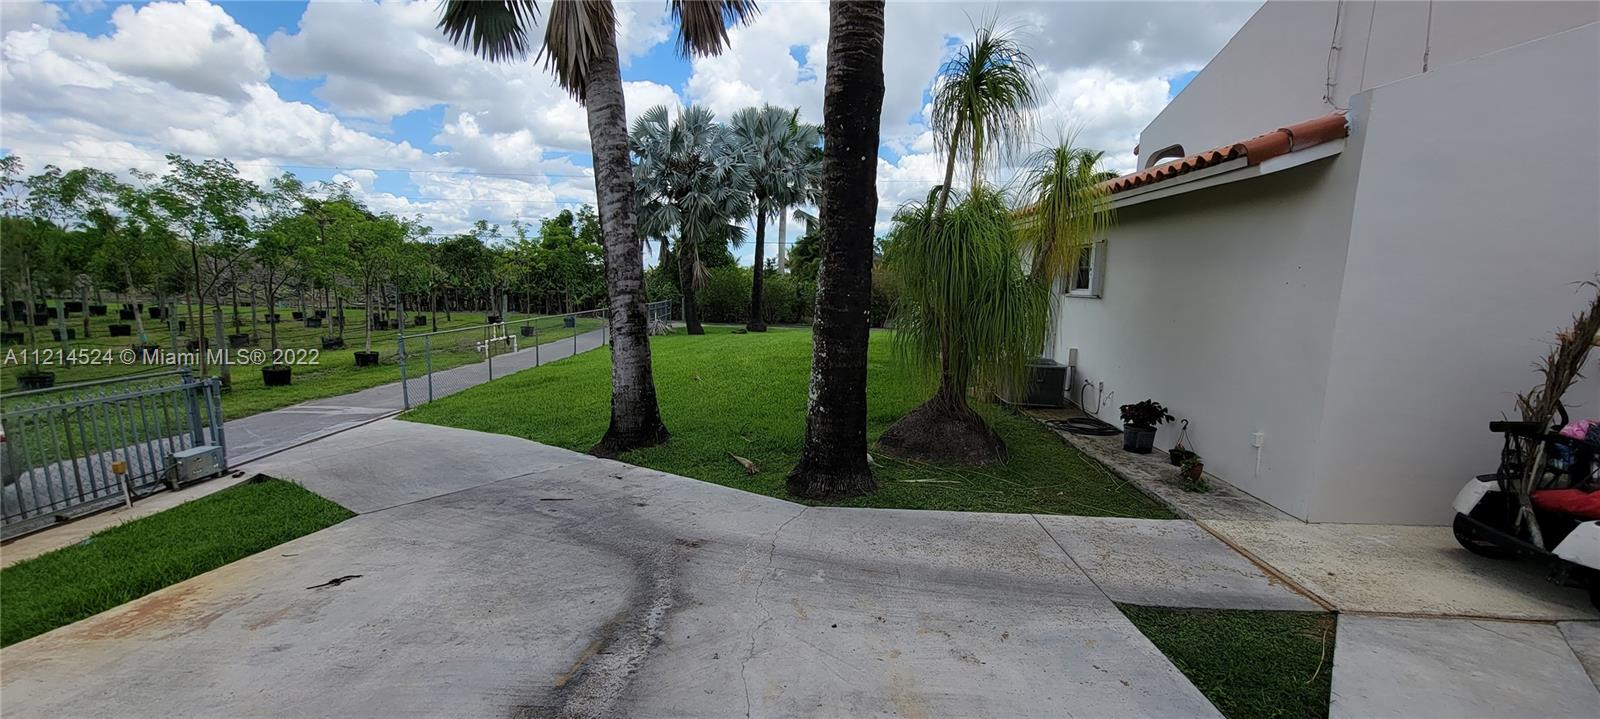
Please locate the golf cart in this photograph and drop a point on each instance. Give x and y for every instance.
(1559, 522)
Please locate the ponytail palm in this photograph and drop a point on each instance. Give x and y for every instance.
(1067, 208)
(580, 49)
(970, 309)
(983, 104)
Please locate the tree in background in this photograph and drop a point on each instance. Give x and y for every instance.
(833, 460)
(698, 178)
(779, 152)
(284, 231)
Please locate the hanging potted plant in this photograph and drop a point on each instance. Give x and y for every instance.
(1139, 422)
(1180, 451)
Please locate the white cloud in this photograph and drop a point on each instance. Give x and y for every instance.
(194, 46)
(23, 14)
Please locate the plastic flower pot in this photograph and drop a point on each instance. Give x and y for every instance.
(313, 321)
(74, 306)
(55, 333)
(298, 315)
(366, 359)
(120, 330)
(332, 343)
(530, 331)
(97, 310)
(126, 314)
(1176, 455)
(569, 321)
(1139, 440)
(36, 380)
(12, 338)
(155, 313)
(493, 319)
(277, 375)
(238, 341)
(41, 319)
(419, 321)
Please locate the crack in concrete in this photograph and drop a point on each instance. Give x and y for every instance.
(766, 573)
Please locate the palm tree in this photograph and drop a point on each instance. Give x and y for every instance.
(693, 176)
(970, 308)
(779, 151)
(833, 460)
(580, 48)
(975, 283)
(1066, 207)
(984, 98)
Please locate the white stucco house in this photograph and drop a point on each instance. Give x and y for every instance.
(1351, 234)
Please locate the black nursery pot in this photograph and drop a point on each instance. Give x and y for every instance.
(36, 380)
(11, 338)
(55, 333)
(97, 310)
(238, 341)
(74, 306)
(332, 343)
(155, 313)
(322, 314)
(41, 319)
(419, 320)
(493, 319)
(120, 330)
(313, 321)
(530, 331)
(277, 375)
(1177, 455)
(1139, 440)
(126, 314)
(366, 359)
(298, 315)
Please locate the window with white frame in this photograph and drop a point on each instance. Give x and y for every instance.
(1088, 277)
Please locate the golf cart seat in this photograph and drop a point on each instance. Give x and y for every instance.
(1575, 503)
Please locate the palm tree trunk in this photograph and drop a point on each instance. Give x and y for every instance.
(833, 462)
(783, 235)
(688, 257)
(758, 320)
(635, 416)
(949, 166)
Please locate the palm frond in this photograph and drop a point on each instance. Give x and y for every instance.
(984, 98)
(1067, 208)
(494, 30)
(703, 24)
(573, 36)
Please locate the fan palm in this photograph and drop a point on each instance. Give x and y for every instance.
(983, 101)
(784, 166)
(580, 49)
(693, 176)
(833, 460)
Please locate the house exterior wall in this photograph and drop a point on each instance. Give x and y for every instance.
(1282, 66)
(1477, 209)
(1220, 304)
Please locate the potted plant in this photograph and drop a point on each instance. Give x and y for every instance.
(1193, 474)
(367, 358)
(1139, 422)
(277, 375)
(1179, 452)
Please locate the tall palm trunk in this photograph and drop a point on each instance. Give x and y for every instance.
(688, 257)
(635, 416)
(833, 462)
(758, 320)
(783, 236)
(949, 168)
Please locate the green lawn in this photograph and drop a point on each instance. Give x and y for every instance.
(745, 394)
(334, 372)
(1250, 664)
(136, 558)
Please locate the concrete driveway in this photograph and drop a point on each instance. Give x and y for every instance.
(488, 575)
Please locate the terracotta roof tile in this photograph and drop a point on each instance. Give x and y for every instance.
(1255, 150)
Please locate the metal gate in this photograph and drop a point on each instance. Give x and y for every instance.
(72, 450)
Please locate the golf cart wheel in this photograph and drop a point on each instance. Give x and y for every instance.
(1467, 537)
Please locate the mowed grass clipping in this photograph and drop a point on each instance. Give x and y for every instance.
(133, 559)
(725, 394)
(1250, 664)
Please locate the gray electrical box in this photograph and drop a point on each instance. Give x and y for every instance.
(194, 464)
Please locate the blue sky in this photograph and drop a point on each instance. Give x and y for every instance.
(424, 129)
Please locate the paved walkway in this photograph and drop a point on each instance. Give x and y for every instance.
(497, 576)
(260, 434)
